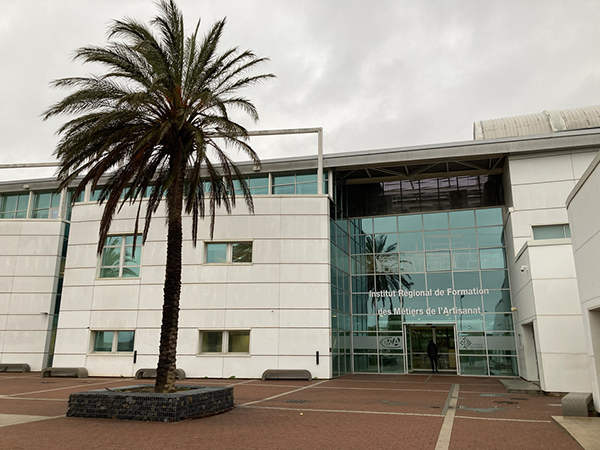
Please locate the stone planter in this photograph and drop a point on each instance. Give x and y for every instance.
(193, 402)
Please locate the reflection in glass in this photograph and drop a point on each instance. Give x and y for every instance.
(241, 252)
(103, 341)
(410, 223)
(446, 301)
(495, 279)
(361, 323)
(391, 363)
(360, 283)
(466, 280)
(412, 262)
(497, 302)
(470, 322)
(111, 257)
(441, 280)
(212, 342)
(503, 365)
(473, 365)
(389, 239)
(130, 258)
(286, 189)
(306, 188)
(490, 237)
(499, 322)
(462, 219)
(417, 280)
(239, 342)
(359, 264)
(488, 217)
(436, 221)
(363, 226)
(386, 224)
(492, 258)
(410, 242)
(125, 341)
(283, 179)
(415, 303)
(216, 253)
(380, 264)
(365, 363)
(463, 238)
(436, 261)
(468, 301)
(437, 240)
(465, 259)
(306, 177)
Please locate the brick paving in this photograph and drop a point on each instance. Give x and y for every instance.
(352, 412)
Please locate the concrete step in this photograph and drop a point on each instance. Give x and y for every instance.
(519, 386)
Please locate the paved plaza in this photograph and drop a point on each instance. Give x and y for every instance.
(352, 412)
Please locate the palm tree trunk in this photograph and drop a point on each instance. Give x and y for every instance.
(165, 372)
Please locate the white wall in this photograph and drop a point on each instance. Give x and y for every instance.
(584, 217)
(282, 297)
(29, 264)
(545, 293)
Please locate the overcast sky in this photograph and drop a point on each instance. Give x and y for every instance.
(373, 73)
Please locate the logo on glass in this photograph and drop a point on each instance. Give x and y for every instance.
(391, 342)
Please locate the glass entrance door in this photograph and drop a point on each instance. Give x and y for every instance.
(418, 337)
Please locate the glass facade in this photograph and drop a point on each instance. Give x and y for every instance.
(341, 347)
(438, 276)
(431, 194)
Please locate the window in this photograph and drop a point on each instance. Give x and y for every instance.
(559, 231)
(118, 259)
(228, 252)
(95, 194)
(45, 205)
(225, 341)
(297, 183)
(14, 206)
(258, 185)
(113, 341)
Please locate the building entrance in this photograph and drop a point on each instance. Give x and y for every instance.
(417, 339)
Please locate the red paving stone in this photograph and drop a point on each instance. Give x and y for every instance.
(352, 412)
(472, 434)
(508, 406)
(422, 402)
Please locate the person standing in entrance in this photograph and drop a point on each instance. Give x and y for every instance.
(432, 352)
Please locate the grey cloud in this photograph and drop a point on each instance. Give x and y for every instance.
(373, 74)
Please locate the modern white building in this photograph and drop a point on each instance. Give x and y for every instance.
(467, 244)
(584, 214)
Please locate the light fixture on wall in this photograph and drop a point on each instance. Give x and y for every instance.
(524, 268)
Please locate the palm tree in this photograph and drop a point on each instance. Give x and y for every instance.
(158, 119)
